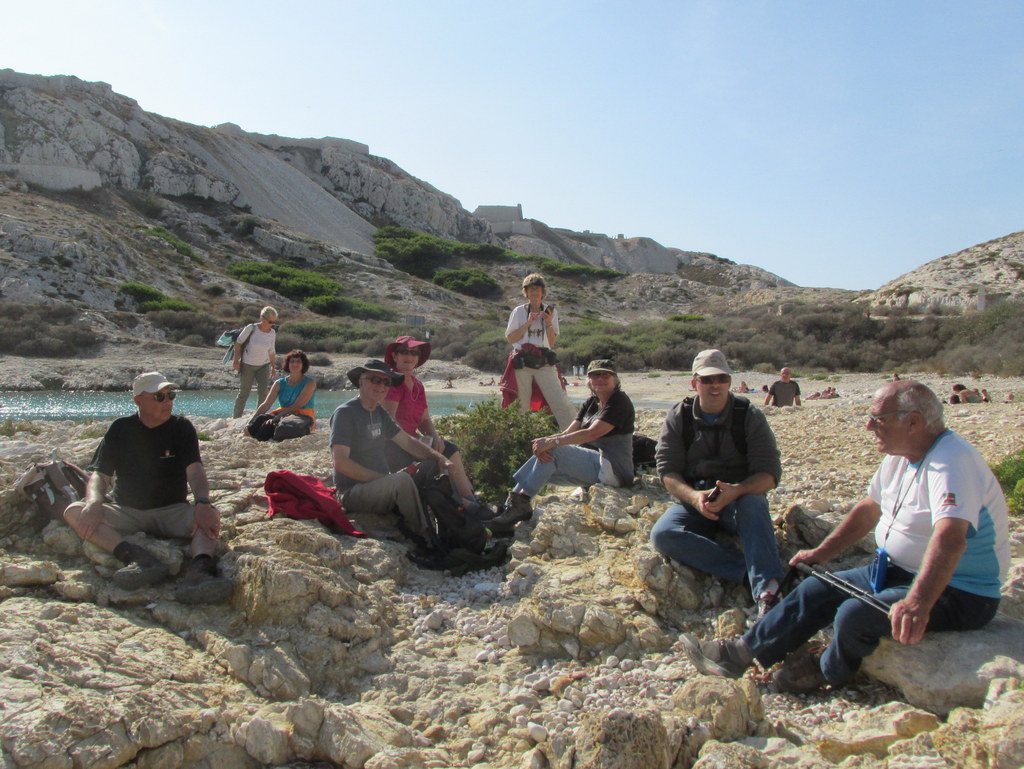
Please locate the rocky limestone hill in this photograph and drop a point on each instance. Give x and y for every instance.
(984, 274)
(62, 134)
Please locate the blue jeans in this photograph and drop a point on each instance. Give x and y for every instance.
(570, 464)
(857, 627)
(683, 534)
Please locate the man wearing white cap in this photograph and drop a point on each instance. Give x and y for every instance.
(149, 461)
(718, 457)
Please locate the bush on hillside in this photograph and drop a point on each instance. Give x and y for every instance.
(44, 331)
(141, 293)
(354, 308)
(175, 242)
(470, 281)
(416, 253)
(187, 327)
(148, 299)
(494, 442)
(288, 281)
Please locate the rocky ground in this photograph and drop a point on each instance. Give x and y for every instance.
(338, 651)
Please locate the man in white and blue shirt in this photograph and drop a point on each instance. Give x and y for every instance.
(941, 523)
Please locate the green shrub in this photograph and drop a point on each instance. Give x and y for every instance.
(174, 305)
(141, 293)
(1010, 474)
(494, 442)
(470, 281)
(416, 253)
(287, 281)
(175, 242)
(353, 308)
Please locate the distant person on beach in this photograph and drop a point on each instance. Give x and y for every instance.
(296, 416)
(360, 431)
(148, 462)
(964, 394)
(718, 458)
(255, 359)
(596, 447)
(941, 525)
(533, 330)
(407, 405)
(785, 392)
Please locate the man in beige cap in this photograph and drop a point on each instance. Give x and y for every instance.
(149, 461)
(718, 457)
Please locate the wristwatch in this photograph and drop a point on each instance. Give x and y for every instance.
(202, 500)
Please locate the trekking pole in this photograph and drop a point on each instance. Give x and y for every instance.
(849, 588)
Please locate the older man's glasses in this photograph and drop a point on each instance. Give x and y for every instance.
(881, 419)
(406, 351)
(711, 379)
(161, 397)
(377, 380)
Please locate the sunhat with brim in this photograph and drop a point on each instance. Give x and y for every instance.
(710, 362)
(151, 382)
(374, 367)
(602, 364)
(413, 344)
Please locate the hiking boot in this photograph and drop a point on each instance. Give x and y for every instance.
(766, 602)
(517, 509)
(202, 585)
(800, 675)
(718, 658)
(143, 568)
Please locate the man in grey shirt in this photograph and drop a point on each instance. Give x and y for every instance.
(360, 430)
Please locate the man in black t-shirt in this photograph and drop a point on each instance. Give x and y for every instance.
(147, 462)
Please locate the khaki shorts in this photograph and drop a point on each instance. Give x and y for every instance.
(171, 521)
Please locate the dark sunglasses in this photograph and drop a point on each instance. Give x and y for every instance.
(714, 379)
(161, 397)
(378, 380)
(406, 351)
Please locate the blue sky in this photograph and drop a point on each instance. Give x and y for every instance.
(835, 144)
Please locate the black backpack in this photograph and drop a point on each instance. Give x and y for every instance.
(739, 423)
(644, 454)
(456, 540)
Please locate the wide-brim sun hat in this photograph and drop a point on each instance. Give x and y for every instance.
(375, 367)
(413, 344)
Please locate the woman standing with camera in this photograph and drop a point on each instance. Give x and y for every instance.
(533, 329)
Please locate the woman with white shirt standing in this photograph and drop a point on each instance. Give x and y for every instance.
(532, 329)
(255, 358)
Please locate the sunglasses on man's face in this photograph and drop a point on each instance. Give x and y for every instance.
(714, 379)
(161, 397)
(377, 380)
(407, 351)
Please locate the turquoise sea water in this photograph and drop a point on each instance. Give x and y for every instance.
(86, 405)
